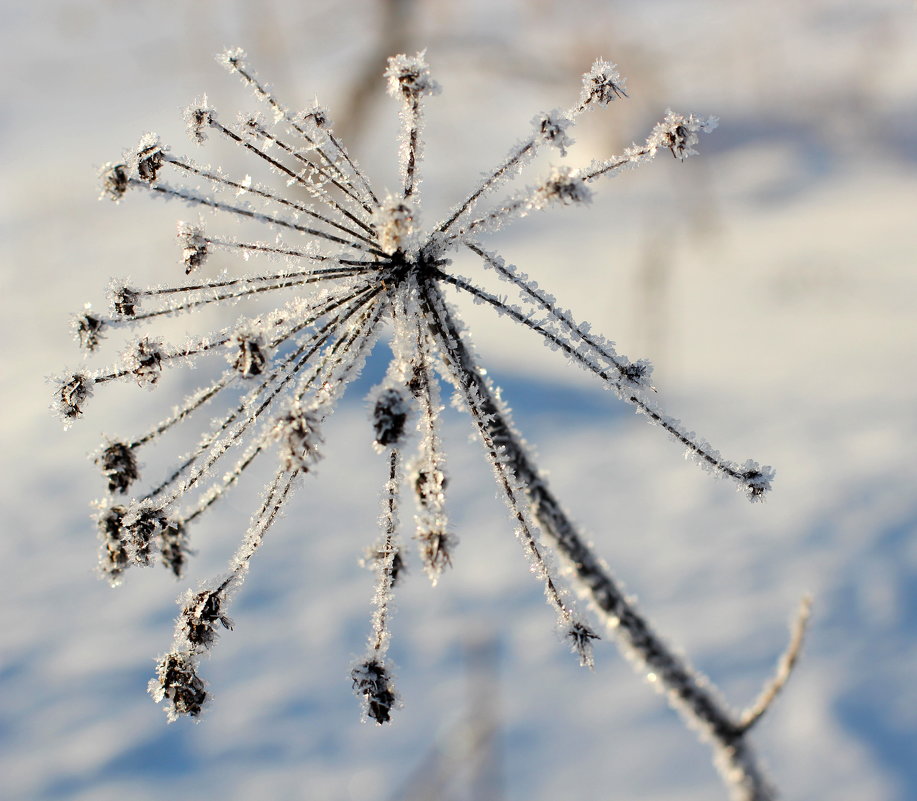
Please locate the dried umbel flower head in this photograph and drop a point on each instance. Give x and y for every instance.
(352, 264)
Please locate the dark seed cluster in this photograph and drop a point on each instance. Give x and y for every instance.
(249, 360)
(372, 682)
(89, 331)
(119, 465)
(200, 617)
(115, 181)
(178, 683)
(389, 417)
(114, 558)
(72, 394)
(125, 301)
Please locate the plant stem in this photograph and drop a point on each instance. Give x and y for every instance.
(688, 692)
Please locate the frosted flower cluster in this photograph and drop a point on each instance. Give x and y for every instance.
(346, 265)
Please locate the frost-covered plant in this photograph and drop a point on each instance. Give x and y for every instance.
(346, 264)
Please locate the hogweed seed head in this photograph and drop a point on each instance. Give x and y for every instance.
(114, 181)
(144, 361)
(602, 84)
(350, 264)
(679, 133)
(247, 353)
(113, 558)
(198, 117)
(124, 301)
(71, 394)
(149, 157)
(88, 329)
(141, 529)
(552, 128)
(194, 248)
(409, 77)
(564, 187)
(173, 546)
(202, 612)
(372, 683)
(318, 116)
(757, 480)
(581, 638)
(436, 547)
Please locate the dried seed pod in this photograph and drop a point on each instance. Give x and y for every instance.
(247, 354)
(201, 613)
(88, 330)
(114, 181)
(177, 683)
(299, 436)
(372, 683)
(149, 158)
(71, 394)
(113, 557)
(173, 546)
(390, 415)
(145, 362)
(119, 465)
(194, 246)
(602, 84)
(125, 301)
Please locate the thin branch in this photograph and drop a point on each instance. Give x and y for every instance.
(319, 170)
(283, 373)
(754, 479)
(270, 219)
(235, 63)
(226, 183)
(282, 281)
(784, 669)
(504, 170)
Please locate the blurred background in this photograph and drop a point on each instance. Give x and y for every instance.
(771, 281)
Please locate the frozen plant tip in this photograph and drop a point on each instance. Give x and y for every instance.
(342, 263)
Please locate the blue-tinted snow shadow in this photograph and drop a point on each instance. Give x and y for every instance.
(868, 708)
(533, 400)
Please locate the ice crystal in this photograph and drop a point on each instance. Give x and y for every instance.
(352, 262)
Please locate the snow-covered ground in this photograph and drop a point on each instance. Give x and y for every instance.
(772, 281)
